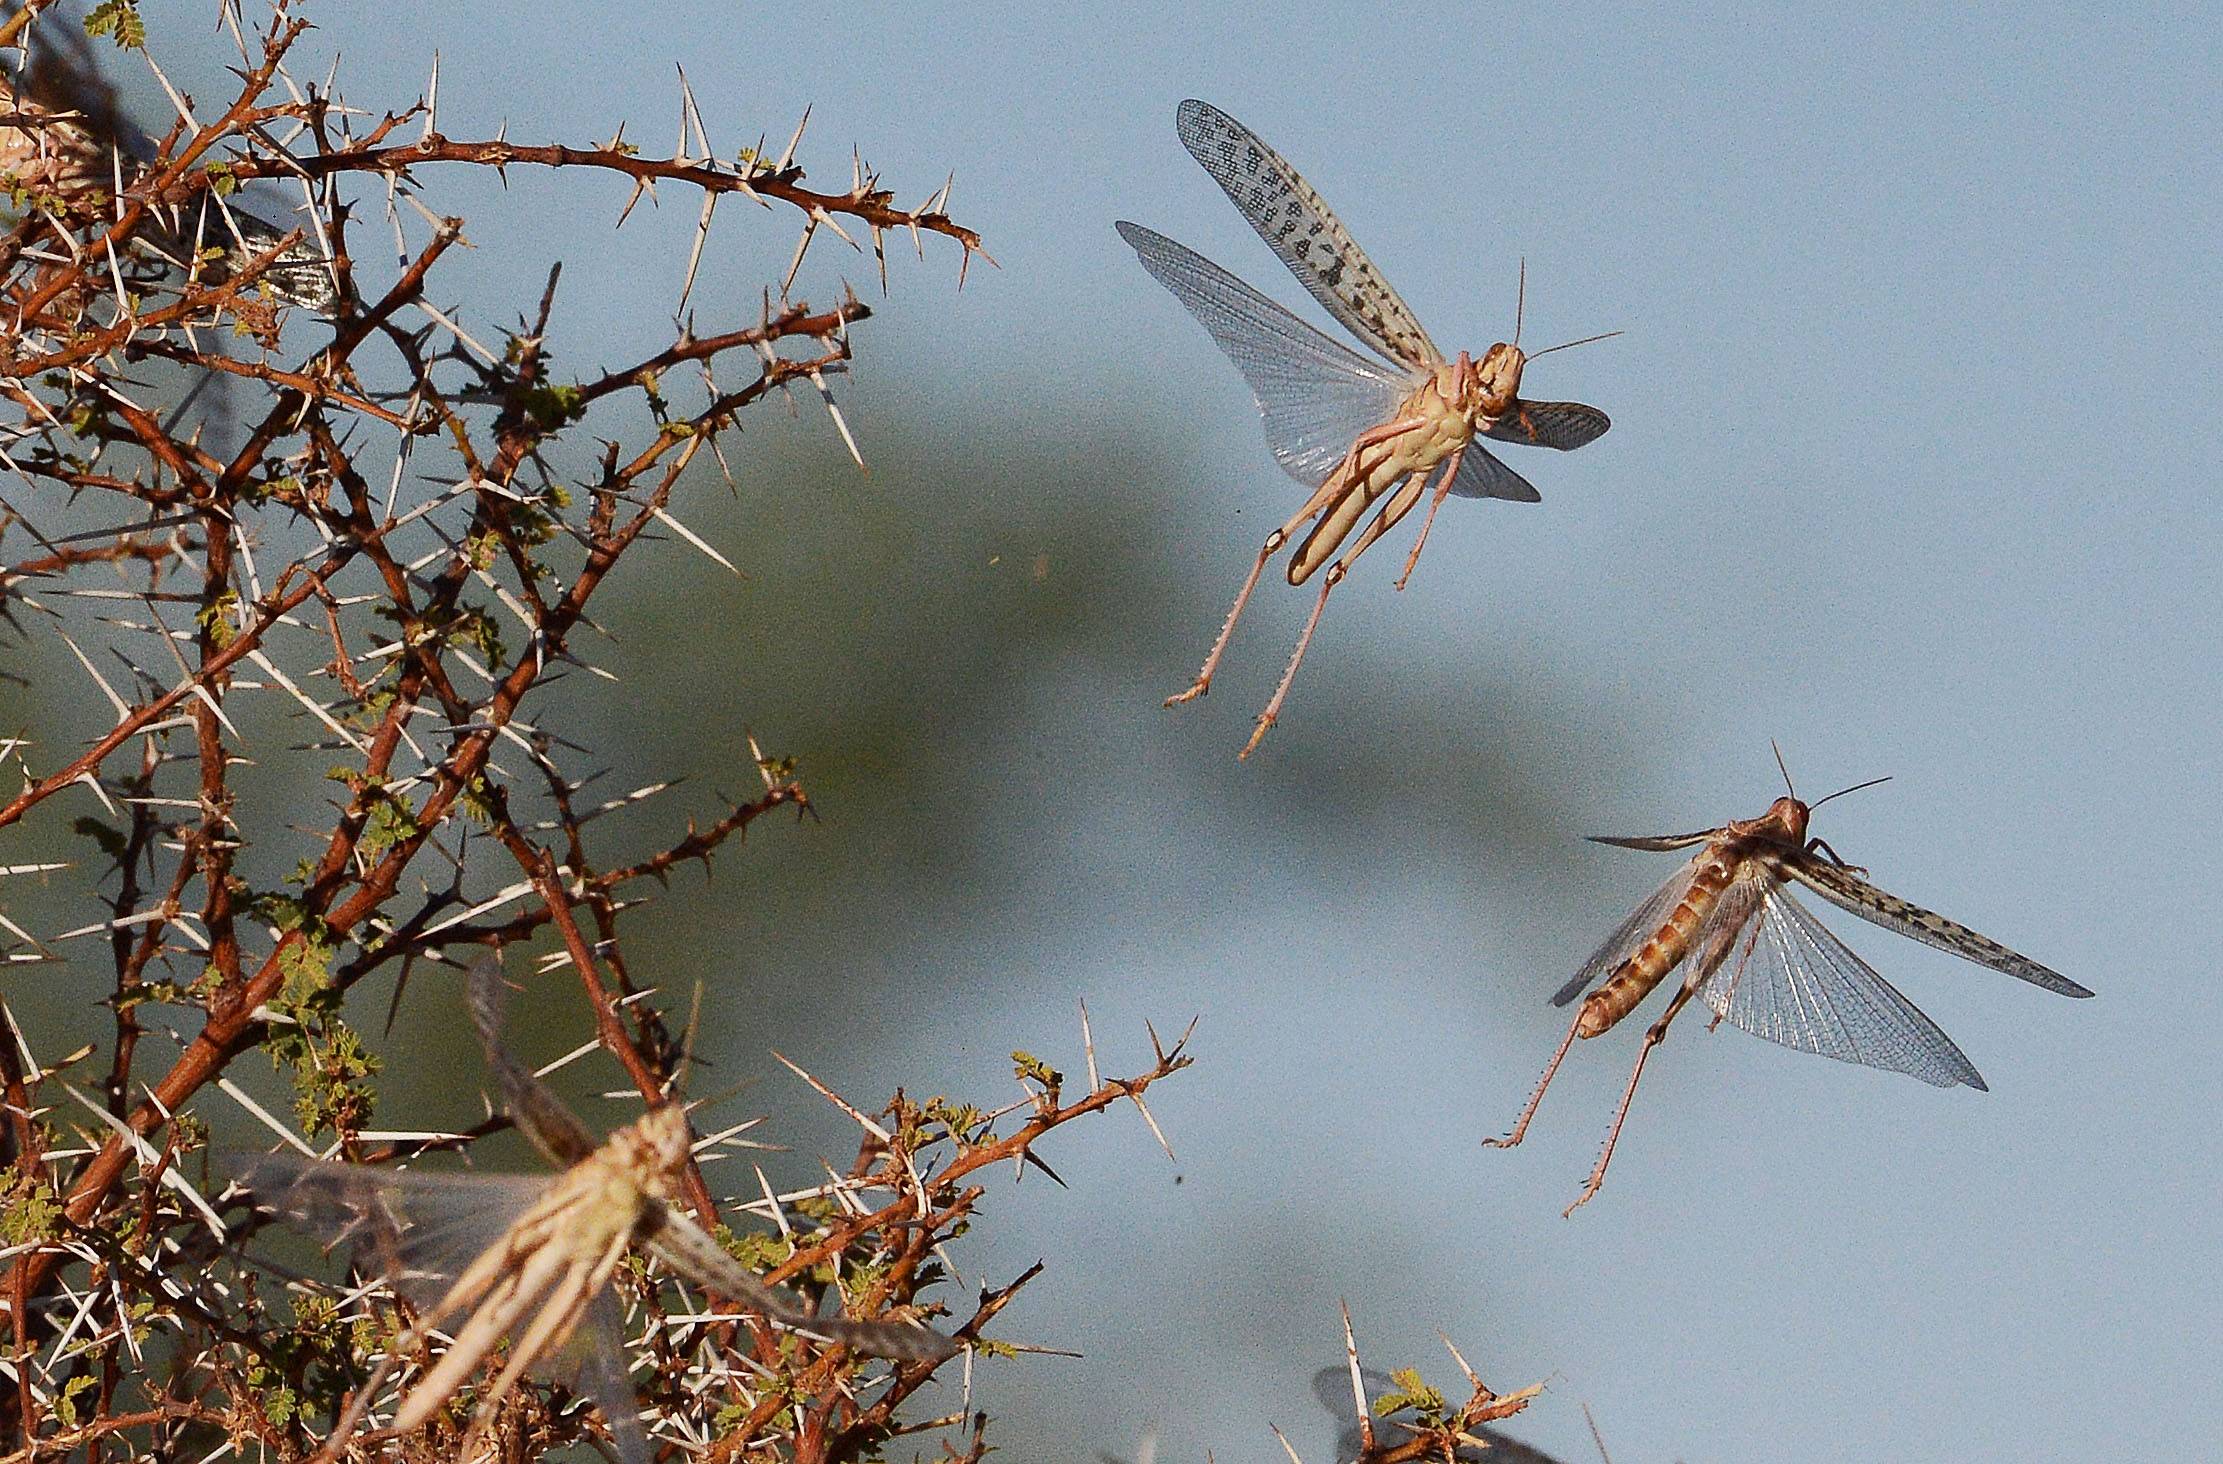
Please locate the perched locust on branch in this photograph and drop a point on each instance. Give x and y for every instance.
(1351, 428)
(530, 1258)
(1763, 963)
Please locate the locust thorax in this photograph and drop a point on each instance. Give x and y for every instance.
(1784, 823)
(1498, 379)
(1453, 384)
(616, 1190)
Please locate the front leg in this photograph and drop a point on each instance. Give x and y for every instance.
(1443, 489)
(1834, 857)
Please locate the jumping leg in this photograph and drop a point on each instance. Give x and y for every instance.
(1272, 546)
(1651, 1040)
(1328, 581)
(1520, 1125)
(1203, 682)
(1399, 505)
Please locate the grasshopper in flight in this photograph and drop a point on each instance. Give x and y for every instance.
(1762, 962)
(1359, 431)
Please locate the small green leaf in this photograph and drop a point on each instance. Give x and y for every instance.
(477, 801)
(31, 1213)
(391, 821)
(551, 407)
(1411, 1391)
(216, 618)
(120, 21)
(757, 1249)
(65, 1402)
(1027, 1065)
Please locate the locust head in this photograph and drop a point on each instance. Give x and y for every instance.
(647, 1156)
(1498, 379)
(665, 1138)
(1785, 822)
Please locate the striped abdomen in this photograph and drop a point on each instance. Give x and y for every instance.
(1637, 975)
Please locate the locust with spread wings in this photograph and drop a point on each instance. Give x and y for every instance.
(1761, 961)
(1356, 430)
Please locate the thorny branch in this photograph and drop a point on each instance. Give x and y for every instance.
(246, 479)
(1399, 1418)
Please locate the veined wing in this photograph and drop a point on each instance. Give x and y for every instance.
(683, 1245)
(1840, 886)
(533, 1106)
(1629, 937)
(1316, 394)
(1563, 425)
(592, 1364)
(416, 1231)
(1296, 224)
(301, 275)
(1789, 980)
(1481, 475)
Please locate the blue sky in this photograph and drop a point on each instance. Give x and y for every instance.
(1912, 468)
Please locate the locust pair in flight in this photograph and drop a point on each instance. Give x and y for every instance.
(1357, 430)
(1360, 432)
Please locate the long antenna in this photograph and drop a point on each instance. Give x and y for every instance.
(1855, 788)
(1520, 302)
(1570, 345)
(1779, 764)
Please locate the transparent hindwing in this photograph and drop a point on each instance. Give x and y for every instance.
(1786, 978)
(1315, 394)
(1630, 935)
(1483, 475)
(414, 1230)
